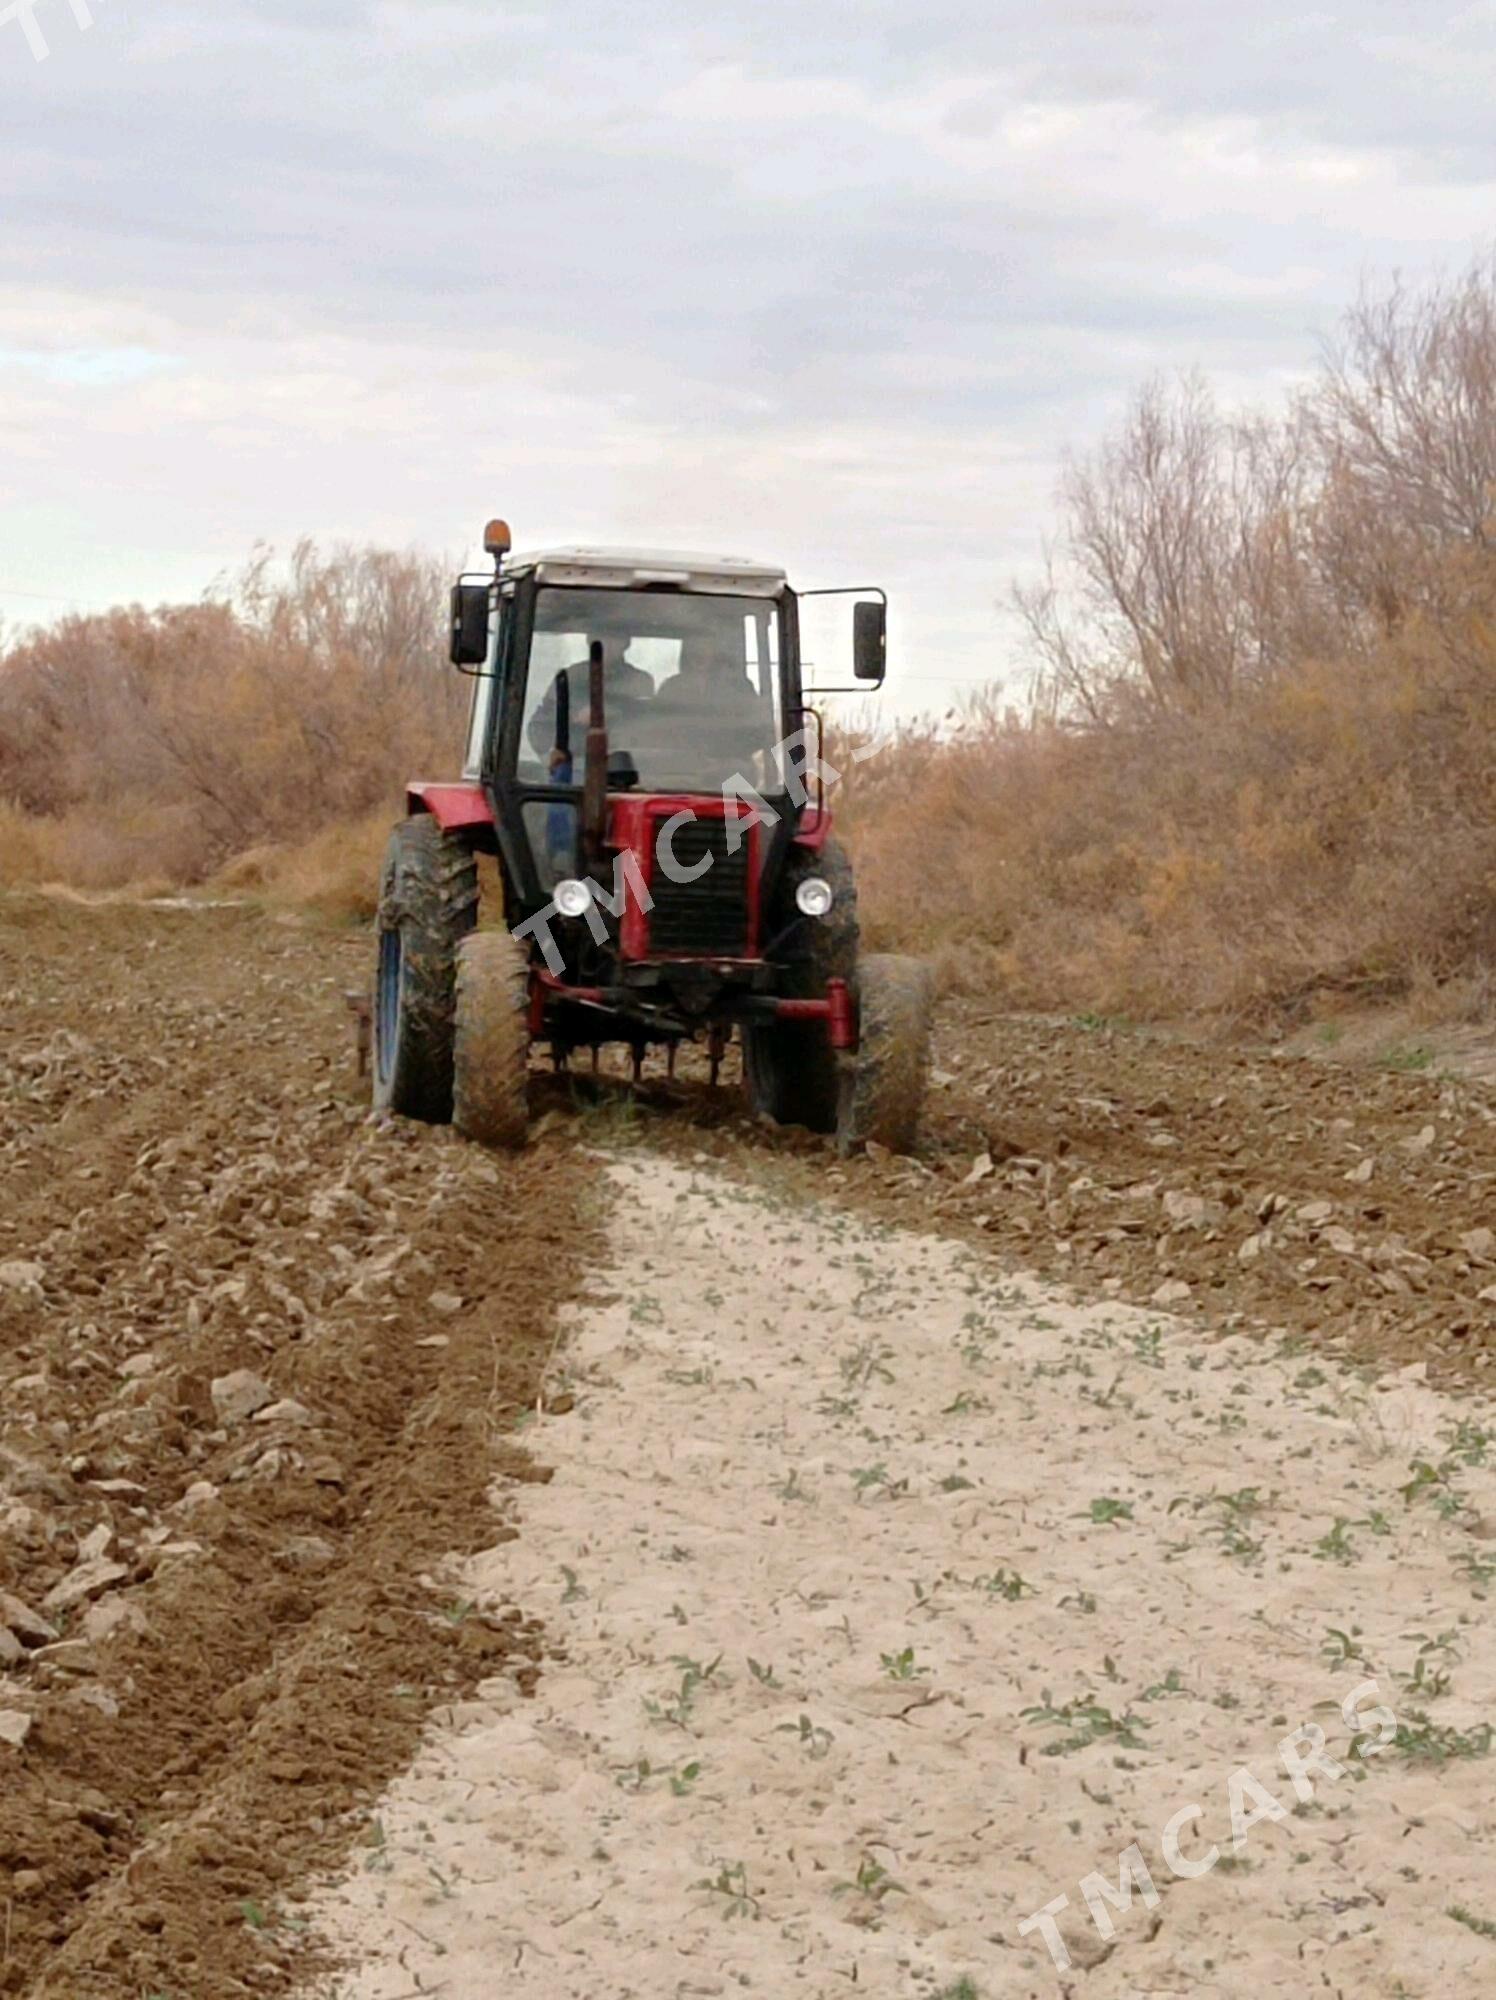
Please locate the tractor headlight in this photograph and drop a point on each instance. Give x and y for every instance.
(573, 897)
(814, 897)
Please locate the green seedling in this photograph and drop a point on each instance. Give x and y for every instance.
(1405, 1061)
(1091, 1722)
(1430, 1675)
(1233, 1511)
(1341, 1650)
(1475, 1569)
(873, 1881)
(900, 1666)
(765, 1676)
(731, 1883)
(1005, 1583)
(1469, 1442)
(1107, 1512)
(866, 1363)
(676, 1710)
(1171, 1684)
(815, 1741)
(1337, 1546)
(1482, 1926)
(1423, 1741)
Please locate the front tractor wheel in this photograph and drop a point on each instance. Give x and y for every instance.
(884, 1092)
(428, 902)
(790, 1066)
(491, 1052)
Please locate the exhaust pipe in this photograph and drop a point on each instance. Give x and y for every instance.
(595, 784)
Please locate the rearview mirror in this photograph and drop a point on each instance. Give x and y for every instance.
(469, 632)
(870, 641)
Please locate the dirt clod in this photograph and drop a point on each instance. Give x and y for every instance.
(231, 1480)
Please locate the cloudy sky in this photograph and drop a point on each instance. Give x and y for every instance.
(834, 283)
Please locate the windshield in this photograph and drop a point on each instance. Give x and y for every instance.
(690, 688)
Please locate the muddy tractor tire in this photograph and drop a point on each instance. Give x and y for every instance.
(428, 902)
(790, 1066)
(884, 1092)
(491, 1049)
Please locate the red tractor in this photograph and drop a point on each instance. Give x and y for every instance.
(642, 762)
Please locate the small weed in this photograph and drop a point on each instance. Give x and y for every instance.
(954, 1482)
(1476, 1570)
(1469, 1442)
(573, 1589)
(1423, 1741)
(873, 1881)
(1005, 1583)
(900, 1666)
(1434, 1482)
(765, 1676)
(1233, 1511)
(1148, 1348)
(1091, 1721)
(1340, 1648)
(677, 1709)
(731, 1883)
(1482, 1926)
(1107, 1512)
(1430, 1675)
(1171, 1684)
(1337, 1546)
(866, 1363)
(1416, 1056)
(966, 1405)
(815, 1741)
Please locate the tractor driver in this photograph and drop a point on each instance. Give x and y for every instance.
(560, 737)
(708, 716)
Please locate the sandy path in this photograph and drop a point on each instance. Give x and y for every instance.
(966, 1530)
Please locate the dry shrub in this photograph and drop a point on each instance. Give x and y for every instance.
(1261, 761)
(25, 849)
(1333, 830)
(334, 871)
(164, 743)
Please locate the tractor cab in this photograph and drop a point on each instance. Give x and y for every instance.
(696, 693)
(644, 763)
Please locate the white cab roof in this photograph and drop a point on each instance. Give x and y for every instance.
(628, 569)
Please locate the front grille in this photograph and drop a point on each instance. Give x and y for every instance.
(707, 918)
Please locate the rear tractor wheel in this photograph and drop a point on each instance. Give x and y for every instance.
(491, 1052)
(428, 902)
